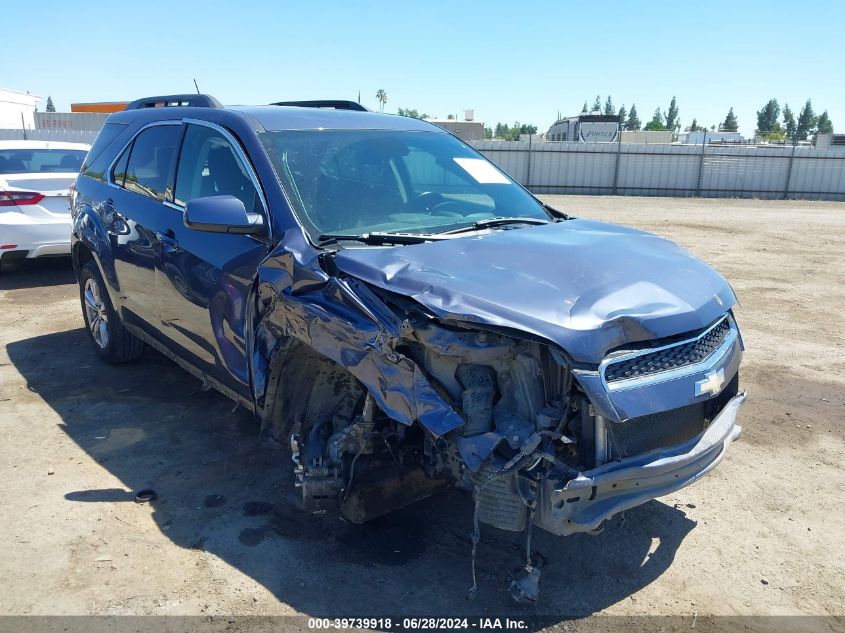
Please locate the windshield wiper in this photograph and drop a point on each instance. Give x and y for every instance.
(491, 222)
(557, 213)
(377, 238)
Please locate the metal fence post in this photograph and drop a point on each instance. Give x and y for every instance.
(701, 165)
(789, 172)
(528, 172)
(616, 168)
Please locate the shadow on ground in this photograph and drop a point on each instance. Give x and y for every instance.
(221, 490)
(32, 273)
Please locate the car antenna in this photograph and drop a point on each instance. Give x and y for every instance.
(196, 86)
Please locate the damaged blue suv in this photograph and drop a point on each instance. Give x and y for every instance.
(402, 314)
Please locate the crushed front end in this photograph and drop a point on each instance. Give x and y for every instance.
(567, 447)
(386, 397)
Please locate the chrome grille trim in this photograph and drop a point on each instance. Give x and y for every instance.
(670, 374)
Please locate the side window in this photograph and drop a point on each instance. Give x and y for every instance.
(209, 166)
(151, 160)
(118, 174)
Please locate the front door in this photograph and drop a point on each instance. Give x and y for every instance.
(206, 277)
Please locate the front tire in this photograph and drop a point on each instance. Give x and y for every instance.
(112, 342)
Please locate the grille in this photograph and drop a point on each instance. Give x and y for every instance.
(667, 428)
(640, 435)
(680, 355)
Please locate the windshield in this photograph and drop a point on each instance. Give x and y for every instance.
(361, 181)
(40, 161)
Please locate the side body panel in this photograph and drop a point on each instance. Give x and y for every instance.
(204, 285)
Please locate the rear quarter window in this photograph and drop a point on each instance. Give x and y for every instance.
(97, 160)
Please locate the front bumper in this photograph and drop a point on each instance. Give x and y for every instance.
(583, 503)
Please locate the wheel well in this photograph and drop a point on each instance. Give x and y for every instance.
(81, 255)
(303, 386)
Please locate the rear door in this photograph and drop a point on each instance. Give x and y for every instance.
(205, 278)
(141, 178)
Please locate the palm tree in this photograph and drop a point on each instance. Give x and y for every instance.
(381, 95)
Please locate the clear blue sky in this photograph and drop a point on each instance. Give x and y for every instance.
(507, 60)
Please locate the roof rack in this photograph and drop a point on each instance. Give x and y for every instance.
(335, 104)
(170, 101)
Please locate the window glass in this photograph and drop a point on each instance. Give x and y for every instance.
(427, 175)
(151, 160)
(108, 133)
(40, 161)
(356, 181)
(118, 175)
(209, 166)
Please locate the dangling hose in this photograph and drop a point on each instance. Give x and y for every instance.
(476, 529)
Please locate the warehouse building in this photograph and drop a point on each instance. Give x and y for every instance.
(17, 109)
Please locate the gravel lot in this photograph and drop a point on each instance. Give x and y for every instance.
(762, 535)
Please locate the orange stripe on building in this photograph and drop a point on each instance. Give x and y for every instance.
(103, 106)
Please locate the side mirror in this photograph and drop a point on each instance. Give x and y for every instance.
(222, 214)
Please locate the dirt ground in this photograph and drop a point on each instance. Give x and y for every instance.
(762, 535)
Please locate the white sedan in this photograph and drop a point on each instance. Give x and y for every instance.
(35, 178)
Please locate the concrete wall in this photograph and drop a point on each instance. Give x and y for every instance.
(91, 121)
(70, 136)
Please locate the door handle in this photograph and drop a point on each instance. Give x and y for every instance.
(168, 241)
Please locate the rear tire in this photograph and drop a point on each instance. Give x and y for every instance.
(111, 341)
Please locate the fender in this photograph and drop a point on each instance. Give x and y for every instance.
(340, 319)
(90, 230)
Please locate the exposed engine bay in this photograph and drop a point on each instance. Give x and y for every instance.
(530, 430)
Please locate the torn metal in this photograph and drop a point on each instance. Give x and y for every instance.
(559, 396)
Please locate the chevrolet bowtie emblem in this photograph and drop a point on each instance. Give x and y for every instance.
(712, 383)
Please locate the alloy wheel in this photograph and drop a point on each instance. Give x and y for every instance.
(96, 314)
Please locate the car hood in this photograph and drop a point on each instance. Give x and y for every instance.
(587, 286)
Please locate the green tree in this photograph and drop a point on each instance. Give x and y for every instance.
(597, 104)
(807, 121)
(634, 122)
(50, 107)
(511, 132)
(381, 95)
(777, 135)
(623, 117)
(789, 124)
(824, 125)
(767, 118)
(672, 116)
(656, 122)
(584, 109)
(488, 133)
(730, 124)
(694, 126)
(608, 106)
(412, 113)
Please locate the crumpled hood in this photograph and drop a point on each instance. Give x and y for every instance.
(587, 286)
